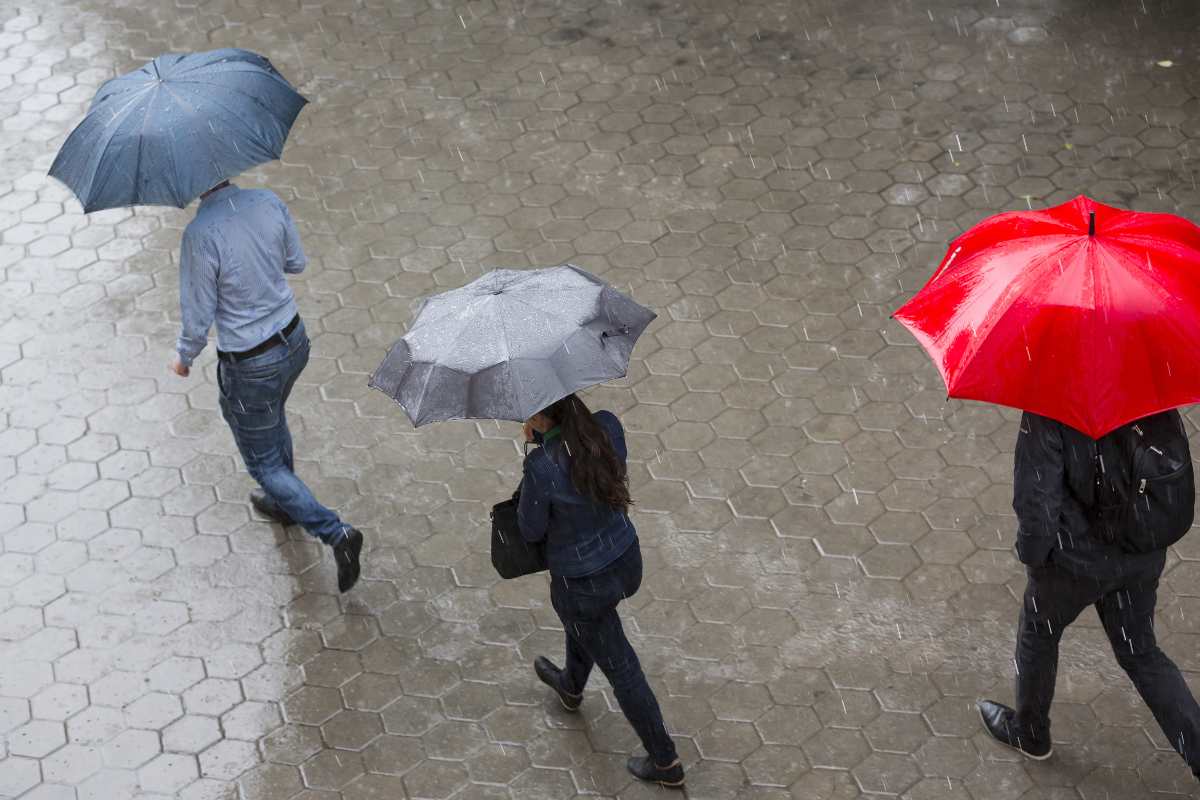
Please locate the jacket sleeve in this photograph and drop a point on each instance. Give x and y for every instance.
(199, 262)
(533, 509)
(616, 434)
(1038, 488)
(294, 258)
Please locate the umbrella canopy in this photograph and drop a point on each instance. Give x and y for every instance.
(509, 344)
(181, 124)
(1083, 313)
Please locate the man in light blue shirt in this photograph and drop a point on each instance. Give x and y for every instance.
(232, 267)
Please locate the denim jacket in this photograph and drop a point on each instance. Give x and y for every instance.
(582, 537)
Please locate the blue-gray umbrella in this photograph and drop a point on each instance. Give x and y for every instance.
(181, 124)
(509, 344)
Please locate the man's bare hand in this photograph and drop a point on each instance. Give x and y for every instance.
(179, 368)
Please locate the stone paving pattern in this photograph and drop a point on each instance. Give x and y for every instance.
(829, 583)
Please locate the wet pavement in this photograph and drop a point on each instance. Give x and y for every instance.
(828, 583)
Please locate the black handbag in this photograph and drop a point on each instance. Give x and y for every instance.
(512, 556)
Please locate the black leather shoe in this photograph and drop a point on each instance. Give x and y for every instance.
(644, 769)
(345, 553)
(998, 720)
(269, 508)
(552, 676)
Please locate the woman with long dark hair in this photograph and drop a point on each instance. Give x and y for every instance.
(575, 498)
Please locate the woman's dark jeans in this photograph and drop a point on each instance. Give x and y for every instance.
(587, 607)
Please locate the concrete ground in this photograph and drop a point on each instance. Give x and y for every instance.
(829, 584)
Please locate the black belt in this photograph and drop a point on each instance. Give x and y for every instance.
(262, 347)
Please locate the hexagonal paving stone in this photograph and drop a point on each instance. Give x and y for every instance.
(435, 779)
(71, 764)
(728, 741)
(190, 734)
(36, 739)
(154, 711)
(17, 775)
(131, 749)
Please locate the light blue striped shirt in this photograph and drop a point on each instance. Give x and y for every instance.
(231, 271)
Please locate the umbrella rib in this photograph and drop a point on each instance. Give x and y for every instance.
(234, 67)
(254, 137)
(514, 298)
(239, 61)
(194, 61)
(1009, 299)
(209, 64)
(1151, 275)
(194, 110)
(173, 162)
(114, 129)
(424, 391)
(266, 110)
(433, 365)
(449, 312)
(508, 359)
(137, 171)
(137, 89)
(200, 81)
(611, 357)
(548, 311)
(508, 294)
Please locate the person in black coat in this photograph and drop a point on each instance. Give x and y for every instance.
(575, 499)
(1071, 565)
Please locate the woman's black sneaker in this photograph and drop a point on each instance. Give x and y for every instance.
(552, 676)
(643, 768)
(998, 720)
(345, 553)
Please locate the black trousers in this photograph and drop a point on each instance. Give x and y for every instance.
(588, 609)
(1054, 598)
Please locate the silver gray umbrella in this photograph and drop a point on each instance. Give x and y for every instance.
(509, 344)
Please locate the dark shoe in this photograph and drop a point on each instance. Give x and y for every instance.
(269, 508)
(552, 676)
(643, 768)
(998, 719)
(345, 553)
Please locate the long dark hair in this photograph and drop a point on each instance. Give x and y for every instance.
(596, 472)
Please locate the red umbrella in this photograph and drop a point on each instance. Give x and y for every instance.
(1083, 313)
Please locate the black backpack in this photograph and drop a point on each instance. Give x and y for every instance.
(1145, 484)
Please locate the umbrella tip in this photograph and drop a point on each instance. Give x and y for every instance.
(1091, 223)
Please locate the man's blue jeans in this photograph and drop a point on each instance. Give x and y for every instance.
(253, 395)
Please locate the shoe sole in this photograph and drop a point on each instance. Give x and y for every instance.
(1022, 751)
(665, 784)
